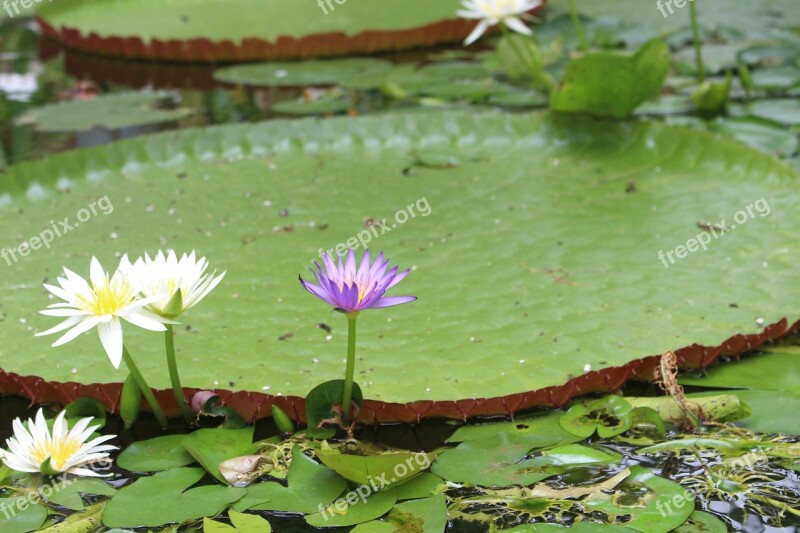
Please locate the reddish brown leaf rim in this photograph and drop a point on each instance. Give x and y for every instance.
(254, 405)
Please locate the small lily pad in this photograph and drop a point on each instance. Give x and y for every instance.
(609, 416)
(354, 510)
(24, 520)
(309, 487)
(111, 111)
(69, 496)
(210, 447)
(166, 498)
(156, 455)
(324, 106)
(302, 73)
(378, 470)
(702, 522)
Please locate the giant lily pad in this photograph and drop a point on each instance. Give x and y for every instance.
(535, 261)
(215, 30)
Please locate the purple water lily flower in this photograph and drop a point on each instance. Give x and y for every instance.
(350, 290)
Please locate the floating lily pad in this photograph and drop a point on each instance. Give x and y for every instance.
(69, 496)
(609, 416)
(702, 522)
(310, 486)
(385, 469)
(756, 372)
(649, 503)
(250, 29)
(547, 426)
(302, 73)
(776, 79)
(254, 199)
(211, 447)
(356, 511)
(166, 498)
(324, 106)
(765, 135)
(31, 518)
(112, 111)
(784, 111)
(156, 455)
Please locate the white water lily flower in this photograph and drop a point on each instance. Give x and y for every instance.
(492, 12)
(101, 304)
(36, 450)
(172, 285)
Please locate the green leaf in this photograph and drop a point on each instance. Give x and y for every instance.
(86, 521)
(783, 111)
(320, 403)
(540, 425)
(427, 515)
(764, 135)
(611, 84)
(21, 518)
(609, 416)
(155, 455)
(378, 470)
(421, 486)
(302, 73)
(166, 498)
(242, 523)
(111, 111)
(755, 372)
(718, 407)
(653, 504)
(322, 106)
(356, 510)
(499, 461)
(86, 408)
(702, 522)
(69, 495)
(211, 447)
(311, 486)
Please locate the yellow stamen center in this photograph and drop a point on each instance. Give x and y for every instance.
(59, 452)
(108, 298)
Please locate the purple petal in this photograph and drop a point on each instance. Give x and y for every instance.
(350, 265)
(363, 269)
(398, 278)
(319, 292)
(390, 301)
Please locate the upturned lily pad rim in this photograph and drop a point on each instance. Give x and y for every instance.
(256, 405)
(254, 48)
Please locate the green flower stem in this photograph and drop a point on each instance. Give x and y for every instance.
(576, 21)
(147, 392)
(347, 398)
(172, 363)
(698, 46)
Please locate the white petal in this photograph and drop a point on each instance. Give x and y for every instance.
(61, 327)
(479, 30)
(518, 26)
(144, 322)
(96, 273)
(111, 337)
(84, 326)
